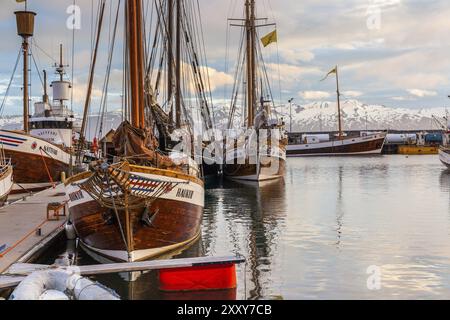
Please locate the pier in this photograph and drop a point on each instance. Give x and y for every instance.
(25, 227)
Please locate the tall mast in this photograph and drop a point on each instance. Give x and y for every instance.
(136, 54)
(25, 29)
(178, 68)
(45, 96)
(90, 84)
(170, 55)
(341, 134)
(60, 68)
(251, 76)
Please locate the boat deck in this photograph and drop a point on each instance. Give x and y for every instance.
(19, 222)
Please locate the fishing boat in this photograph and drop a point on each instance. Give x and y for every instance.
(444, 156)
(369, 144)
(262, 155)
(147, 203)
(39, 153)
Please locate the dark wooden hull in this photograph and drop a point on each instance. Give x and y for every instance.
(355, 146)
(29, 168)
(267, 170)
(176, 223)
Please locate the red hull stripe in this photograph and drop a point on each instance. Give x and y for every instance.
(10, 140)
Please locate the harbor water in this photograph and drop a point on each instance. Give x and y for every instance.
(335, 228)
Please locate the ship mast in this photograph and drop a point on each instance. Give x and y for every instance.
(90, 84)
(136, 58)
(170, 65)
(25, 29)
(178, 69)
(251, 48)
(60, 69)
(341, 134)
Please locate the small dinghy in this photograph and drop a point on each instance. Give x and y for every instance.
(444, 156)
(60, 285)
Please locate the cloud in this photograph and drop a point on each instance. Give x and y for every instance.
(352, 94)
(217, 78)
(294, 56)
(422, 93)
(400, 98)
(408, 51)
(314, 95)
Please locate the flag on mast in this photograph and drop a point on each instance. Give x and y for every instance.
(269, 38)
(334, 71)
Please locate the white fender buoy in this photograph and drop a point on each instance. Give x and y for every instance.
(54, 295)
(70, 231)
(42, 284)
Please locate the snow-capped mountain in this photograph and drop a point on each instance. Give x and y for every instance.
(318, 116)
(322, 116)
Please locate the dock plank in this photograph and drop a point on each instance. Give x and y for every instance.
(23, 269)
(21, 218)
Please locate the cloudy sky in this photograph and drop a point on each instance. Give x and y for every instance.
(391, 52)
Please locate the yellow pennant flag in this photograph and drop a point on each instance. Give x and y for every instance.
(270, 38)
(334, 71)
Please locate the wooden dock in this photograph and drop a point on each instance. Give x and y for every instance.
(17, 272)
(20, 221)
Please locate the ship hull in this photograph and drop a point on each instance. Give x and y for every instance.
(35, 161)
(370, 145)
(176, 222)
(444, 156)
(270, 168)
(6, 183)
(418, 150)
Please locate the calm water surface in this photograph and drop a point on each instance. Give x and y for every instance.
(314, 235)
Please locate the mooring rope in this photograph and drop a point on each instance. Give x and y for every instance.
(46, 168)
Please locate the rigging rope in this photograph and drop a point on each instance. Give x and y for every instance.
(5, 98)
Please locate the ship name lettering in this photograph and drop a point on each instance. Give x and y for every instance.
(186, 194)
(51, 150)
(75, 196)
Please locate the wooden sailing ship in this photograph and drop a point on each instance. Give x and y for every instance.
(258, 157)
(41, 152)
(341, 145)
(147, 203)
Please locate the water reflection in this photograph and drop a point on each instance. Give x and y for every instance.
(253, 220)
(340, 211)
(315, 235)
(444, 180)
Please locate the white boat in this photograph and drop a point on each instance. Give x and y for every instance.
(41, 152)
(368, 145)
(444, 156)
(342, 145)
